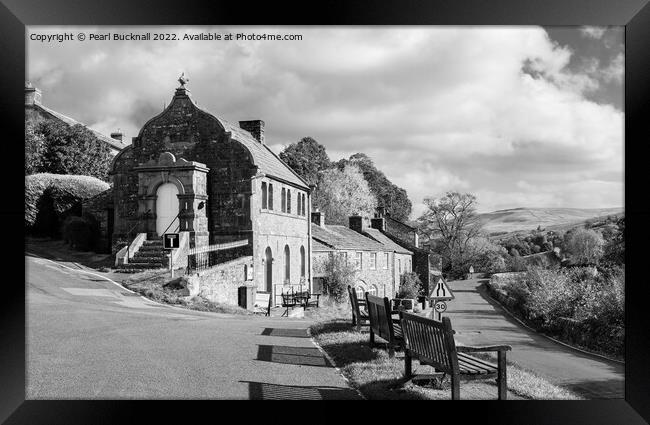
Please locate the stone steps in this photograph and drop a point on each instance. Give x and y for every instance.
(150, 255)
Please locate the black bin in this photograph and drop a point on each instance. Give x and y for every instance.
(246, 297)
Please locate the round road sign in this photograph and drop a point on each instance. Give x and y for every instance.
(440, 306)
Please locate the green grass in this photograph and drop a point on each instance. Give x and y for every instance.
(379, 377)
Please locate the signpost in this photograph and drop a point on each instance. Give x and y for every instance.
(438, 295)
(171, 241)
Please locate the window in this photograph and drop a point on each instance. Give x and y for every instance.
(358, 260)
(270, 196)
(283, 205)
(287, 264)
(303, 204)
(360, 292)
(373, 260)
(302, 260)
(387, 260)
(289, 201)
(264, 196)
(399, 266)
(298, 207)
(408, 265)
(372, 290)
(344, 257)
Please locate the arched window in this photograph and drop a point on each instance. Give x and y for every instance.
(361, 292)
(302, 260)
(298, 207)
(289, 201)
(264, 196)
(283, 201)
(372, 290)
(270, 196)
(287, 264)
(399, 266)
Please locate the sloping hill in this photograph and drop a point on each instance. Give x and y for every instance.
(523, 219)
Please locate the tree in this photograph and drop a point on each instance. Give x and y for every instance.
(584, 246)
(342, 193)
(307, 158)
(67, 150)
(338, 275)
(388, 195)
(452, 220)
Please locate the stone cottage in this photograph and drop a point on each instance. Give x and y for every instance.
(378, 260)
(190, 172)
(35, 111)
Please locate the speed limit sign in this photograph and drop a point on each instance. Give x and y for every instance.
(440, 306)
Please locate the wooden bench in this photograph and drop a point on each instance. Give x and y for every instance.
(305, 298)
(382, 323)
(432, 343)
(288, 300)
(263, 302)
(359, 313)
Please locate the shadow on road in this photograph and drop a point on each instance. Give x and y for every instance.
(265, 391)
(291, 333)
(306, 356)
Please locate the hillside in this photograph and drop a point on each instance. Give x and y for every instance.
(525, 219)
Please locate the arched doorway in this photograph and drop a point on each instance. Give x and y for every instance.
(268, 272)
(167, 209)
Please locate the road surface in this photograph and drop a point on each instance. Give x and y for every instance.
(479, 320)
(88, 338)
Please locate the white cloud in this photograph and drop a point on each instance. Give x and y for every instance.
(437, 108)
(593, 32)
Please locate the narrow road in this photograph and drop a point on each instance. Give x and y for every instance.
(89, 338)
(479, 320)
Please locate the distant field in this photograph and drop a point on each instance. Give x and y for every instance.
(524, 219)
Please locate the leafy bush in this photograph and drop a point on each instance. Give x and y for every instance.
(410, 286)
(552, 295)
(55, 147)
(50, 198)
(338, 275)
(82, 233)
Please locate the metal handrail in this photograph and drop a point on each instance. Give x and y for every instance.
(174, 219)
(130, 232)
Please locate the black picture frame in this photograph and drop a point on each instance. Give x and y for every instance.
(633, 14)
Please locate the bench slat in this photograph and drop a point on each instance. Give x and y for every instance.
(478, 363)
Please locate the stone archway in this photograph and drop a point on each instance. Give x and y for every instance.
(167, 209)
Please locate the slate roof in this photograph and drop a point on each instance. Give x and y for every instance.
(342, 237)
(115, 144)
(267, 161)
(317, 246)
(386, 241)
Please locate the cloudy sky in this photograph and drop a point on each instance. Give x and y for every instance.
(519, 116)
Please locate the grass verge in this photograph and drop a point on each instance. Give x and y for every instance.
(158, 286)
(378, 377)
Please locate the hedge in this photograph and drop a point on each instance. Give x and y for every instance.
(50, 198)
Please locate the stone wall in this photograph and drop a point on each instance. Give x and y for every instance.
(220, 283)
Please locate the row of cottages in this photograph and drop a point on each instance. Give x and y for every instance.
(379, 261)
(190, 172)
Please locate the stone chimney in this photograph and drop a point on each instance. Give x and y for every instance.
(117, 135)
(381, 212)
(378, 223)
(254, 127)
(32, 95)
(318, 218)
(357, 223)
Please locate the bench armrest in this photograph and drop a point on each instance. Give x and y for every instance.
(466, 349)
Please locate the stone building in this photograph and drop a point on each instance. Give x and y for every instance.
(35, 111)
(190, 172)
(378, 260)
(425, 264)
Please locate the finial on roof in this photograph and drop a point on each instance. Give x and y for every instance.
(183, 80)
